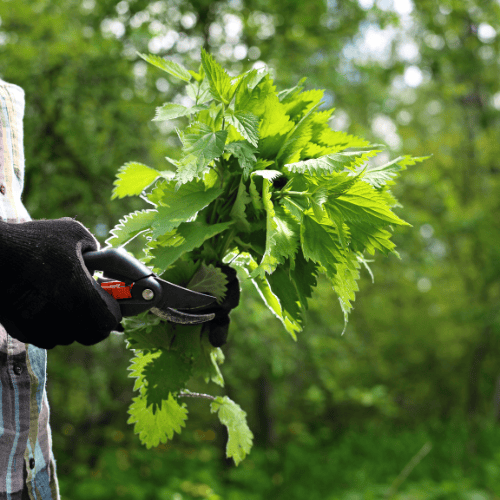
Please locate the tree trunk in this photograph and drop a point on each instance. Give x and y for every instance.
(266, 435)
(474, 373)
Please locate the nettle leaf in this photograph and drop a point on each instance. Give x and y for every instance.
(238, 211)
(199, 92)
(220, 82)
(209, 279)
(303, 274)
(200, 139)
(201, 146)
(159, 427)
(178, 206)
(130, 226)
(295, 205)
(274, 127)
(255, 196)
(169, 111)
(138, 363)
(252, 92)
(328, 137)
(207, 365)
(188, 236)
(282, 234)
(181, 272)
(303, 103)
(292, 326)
(234, 418)
(145, 333)
(284, 288)
(362, 203)
(165, 374)
(345, 284)
(335, 162)
(132, 179)
(246, 123)
(380, 175)
(170, 67)
(296, 140)
(320, 243)
(246, 155)
(289, 94)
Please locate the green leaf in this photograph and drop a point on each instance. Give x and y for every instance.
(169, 111)
(302, 104)
(199, 92)
(130, 226)
(283, 287)
(146, 332)
(170, 67)
(220, 82)
(362, 203)
(132, 179)
(138, 363)
(177, 206)
(238, 210)
(234, 418)
(246, 123)
(252, 91)
(165, 374)
(245, 153)
(335, 162)
(188, 236)
(274, 127)
(336, 138)
(295, 205)
(201, 146)
(208, 363)
(209, 279)
(320, 243)
(303, 274)
(255, 196)
(270, 299)
(282, 234)
(345, 284)
(156, 428)
(380, 175)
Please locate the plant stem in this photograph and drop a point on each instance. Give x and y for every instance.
(195, 395)
(228, 241)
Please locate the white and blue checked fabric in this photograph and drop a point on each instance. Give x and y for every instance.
(27, 465)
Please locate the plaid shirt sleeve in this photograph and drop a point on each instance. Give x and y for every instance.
(27, 465)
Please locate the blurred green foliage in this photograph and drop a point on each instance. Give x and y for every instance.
(334, 417)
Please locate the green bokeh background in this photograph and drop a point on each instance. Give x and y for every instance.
(406, 404)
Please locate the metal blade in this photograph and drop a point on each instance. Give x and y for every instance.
(182, 317)
(178, 297)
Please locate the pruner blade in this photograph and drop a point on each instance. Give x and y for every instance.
(177, 297)
(180, 317)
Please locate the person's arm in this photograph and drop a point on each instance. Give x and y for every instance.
(47, 295)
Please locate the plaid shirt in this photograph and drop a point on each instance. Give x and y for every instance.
(27, 465)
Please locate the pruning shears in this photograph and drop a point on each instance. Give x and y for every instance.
(138, 289)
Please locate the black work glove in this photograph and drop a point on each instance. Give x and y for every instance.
(47, 295)
(218, 328)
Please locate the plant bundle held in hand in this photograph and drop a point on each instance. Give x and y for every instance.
(264, 184)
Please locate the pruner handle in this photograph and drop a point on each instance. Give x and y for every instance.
(138, 291)
(115, 263)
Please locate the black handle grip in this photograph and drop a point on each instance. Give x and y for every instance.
(116, 264)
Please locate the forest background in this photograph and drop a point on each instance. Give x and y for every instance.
(406, 404)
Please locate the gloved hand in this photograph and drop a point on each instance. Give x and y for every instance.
(47, 295)
(218, 328)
